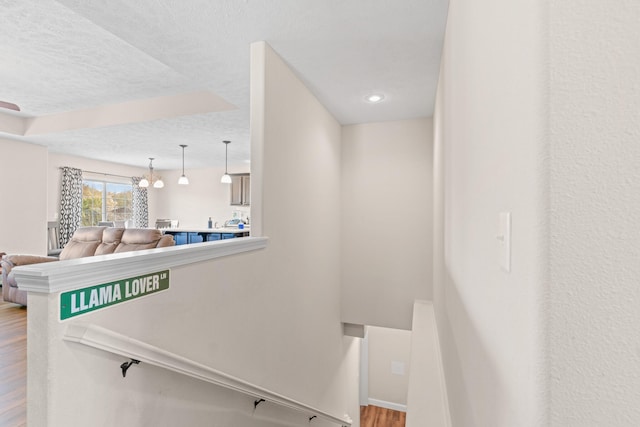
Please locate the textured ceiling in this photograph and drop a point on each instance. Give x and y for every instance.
(69, 55)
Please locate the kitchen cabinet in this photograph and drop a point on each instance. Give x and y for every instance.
(240, 189)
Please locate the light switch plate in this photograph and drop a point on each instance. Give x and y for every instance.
(504, 241)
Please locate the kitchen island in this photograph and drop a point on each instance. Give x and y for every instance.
(184, 236)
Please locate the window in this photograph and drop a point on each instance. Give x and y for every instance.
(105, 201)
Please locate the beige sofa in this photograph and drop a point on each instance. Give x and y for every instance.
(86, 241)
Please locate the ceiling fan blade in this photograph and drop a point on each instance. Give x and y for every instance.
(9, 106)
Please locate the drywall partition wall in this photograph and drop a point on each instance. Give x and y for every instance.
(270, 317)
(427, 402)
(594, 250)
(439, 267)
(295, 162)
(208, 315)
(490, 150)
(54, 174)
(204, 197)
(389, 354)
(386, 226)
(454, 384)
(23, 220)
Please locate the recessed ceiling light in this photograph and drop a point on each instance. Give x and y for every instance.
(376, 97)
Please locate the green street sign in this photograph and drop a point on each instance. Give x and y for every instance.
(81, 301)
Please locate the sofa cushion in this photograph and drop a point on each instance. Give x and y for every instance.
(111, 238)
(83, 243)
(135, 239)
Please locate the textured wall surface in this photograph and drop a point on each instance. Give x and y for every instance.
(387, 346)
(583, 127)
(270, 317)
(489, 159)
(23, 217)
(386, 221)
(594, 332)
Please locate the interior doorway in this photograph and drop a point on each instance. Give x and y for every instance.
(384, 367)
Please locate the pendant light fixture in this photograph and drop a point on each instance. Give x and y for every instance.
(183, 180)
(226, 178)
(144, 182)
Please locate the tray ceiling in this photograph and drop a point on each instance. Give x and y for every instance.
(69, 56)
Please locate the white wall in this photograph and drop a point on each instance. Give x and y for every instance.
(296, 164)
(542, 122)
(594, 181)
(270, 317)
(224, 314)
(427, 402)
(193, 204)
(389, 348)
(489, 152)
(386, 228)
(23, 221)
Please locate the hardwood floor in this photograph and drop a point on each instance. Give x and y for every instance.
(374, 416)
(13, 365)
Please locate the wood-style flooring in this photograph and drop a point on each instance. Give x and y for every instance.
(374, 416)
(13, 365)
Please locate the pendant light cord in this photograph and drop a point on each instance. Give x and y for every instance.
(226, 178)
(183, 146)
(183, 180)
(226, 156)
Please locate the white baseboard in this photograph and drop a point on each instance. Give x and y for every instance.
(388, 405)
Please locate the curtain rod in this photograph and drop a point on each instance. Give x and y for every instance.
(103, 173)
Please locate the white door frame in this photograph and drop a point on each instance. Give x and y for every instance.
(364, 368)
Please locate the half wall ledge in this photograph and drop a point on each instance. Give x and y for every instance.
(62, 276)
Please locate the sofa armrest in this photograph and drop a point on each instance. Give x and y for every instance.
(17, 260)
(165, 241)
(10, 261)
